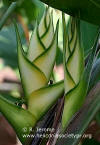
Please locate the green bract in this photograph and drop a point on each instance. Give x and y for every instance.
(38, 56)
(48, 95)
(17, 117)
(35, 71)
(76, 75)
(73, 56)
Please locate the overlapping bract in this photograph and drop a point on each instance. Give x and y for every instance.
(73, 56)
(35, 70)
(77, 76)
(42, 37)
(40, 57)
(17, 117)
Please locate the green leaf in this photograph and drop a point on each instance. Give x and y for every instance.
(95, 75)
(29, 70)
(82, 119)
(89, 33)
(12, 99)
(98, 117)
(17, 117)
(7, 14)
(91, 141)
(40, 101)
(8, 47)
(88, 10)
(28, 9)
(31, 10)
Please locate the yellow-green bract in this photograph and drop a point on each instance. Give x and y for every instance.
(39, 56)
(35, 71)
(76, 75)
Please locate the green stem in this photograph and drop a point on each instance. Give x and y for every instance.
(7, 14)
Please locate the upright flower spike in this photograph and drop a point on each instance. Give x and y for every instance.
(75, 94)
(44, 23)
(18, 118)
(38, 69)
(73, 56)
(42, 36)
(47, 58)
(43, 46)
(47, 37)
(27, 69)
(36, 47)
(35, 64)
(40, 98)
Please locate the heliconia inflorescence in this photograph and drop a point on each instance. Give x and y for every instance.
(35, 70)
(76, 75)
(36, 67)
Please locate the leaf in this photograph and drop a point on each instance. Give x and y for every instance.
(27, 69)
(41, 100)
(17, 117)
(28, 9)
(98, 117)
(89, 33)
(12, 99)
(82, 119)
(90, 142)
(95, 75)
(8, 47)
(85, 10)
